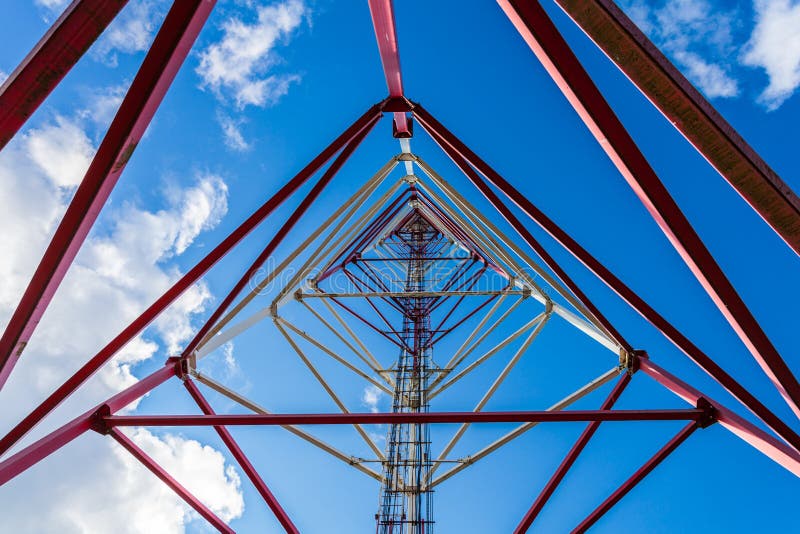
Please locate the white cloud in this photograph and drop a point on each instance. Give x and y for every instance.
(123, 266)
(775, 46)
(62, 150)
(232, 134)
(371, 397)
(131, 32)
(710, 77)
(697, 36)
(103, 104)
(53, 6)
(238, 65)
(108, 490)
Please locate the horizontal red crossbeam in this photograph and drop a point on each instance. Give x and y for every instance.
(405, 418)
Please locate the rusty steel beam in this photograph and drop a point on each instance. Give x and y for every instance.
(51, 59)
(691, 114)
(560, 62)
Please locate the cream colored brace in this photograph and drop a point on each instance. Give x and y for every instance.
(469, 209)
(488, 395)
(456, 360)
(596, 331)
(370, 360)
(327, 388)
(302, 434)
(358, 198)
(210, 344)
(319, 255)
(333, 355)
(533, 323)
(560, 405)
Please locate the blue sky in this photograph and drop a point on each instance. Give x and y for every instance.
(266, 87)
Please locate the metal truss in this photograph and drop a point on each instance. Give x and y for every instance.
(351, 291)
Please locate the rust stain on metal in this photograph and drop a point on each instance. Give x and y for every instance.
(690, 113)
(126, 154)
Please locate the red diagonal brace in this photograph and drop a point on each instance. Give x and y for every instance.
(436, 131)
(280, 235)
(51, 59)
(686, 109)
(627, 294)
(638, 476)
(194, 274)
(161, 64)
(569, 75)
(173, 484)
(382, 13)
(778, 451)
(569, 460)
(50, 443)
(243, 461)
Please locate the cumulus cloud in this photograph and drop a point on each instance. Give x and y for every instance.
(697, 36)
(62, 150)
(123, 266)
(775, 47)
(52, 6)
(103, 104)
(115, 493)
(131, 32)
(239, 65)
(232, 133)
(371, 397)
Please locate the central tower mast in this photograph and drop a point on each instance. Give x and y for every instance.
(406, 500)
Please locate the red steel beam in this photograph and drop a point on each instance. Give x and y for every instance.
(44, 447)
(382, 12)
(637, 477)
(694, 117)
(243, 461)
(173, 484)
(773, 448)
(170, 48)
(51, 59)
(276, 240)
(563, 66)
(192, 276)
(618, 286)
(405, 418)
(435, 130)
(569, 460)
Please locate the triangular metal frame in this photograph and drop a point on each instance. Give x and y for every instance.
(25, 90)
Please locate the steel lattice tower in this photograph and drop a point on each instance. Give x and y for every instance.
(406, 498)
(413, 226)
